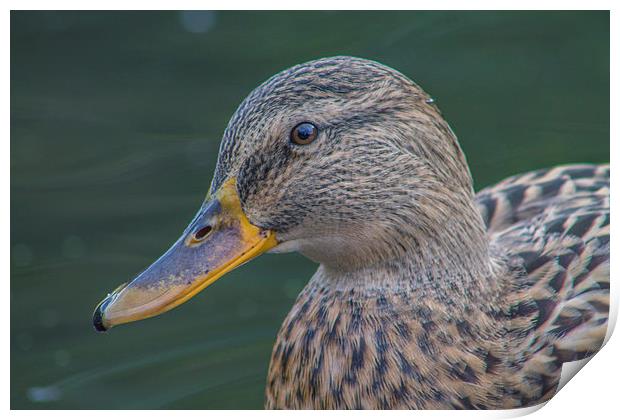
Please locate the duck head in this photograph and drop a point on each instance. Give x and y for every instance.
(342, 159)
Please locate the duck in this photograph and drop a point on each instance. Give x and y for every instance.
(427, 294)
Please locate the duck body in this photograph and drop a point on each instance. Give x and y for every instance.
(391, 338)
(427, 295)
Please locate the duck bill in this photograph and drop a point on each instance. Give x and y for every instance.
(219, 239)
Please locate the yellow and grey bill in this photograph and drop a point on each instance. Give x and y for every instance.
(219, 239)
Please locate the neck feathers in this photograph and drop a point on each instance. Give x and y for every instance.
(353, 343)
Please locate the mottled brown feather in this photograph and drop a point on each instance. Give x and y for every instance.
(427, 295)
(389, 350)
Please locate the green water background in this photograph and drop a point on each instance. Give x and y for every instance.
(115, 124)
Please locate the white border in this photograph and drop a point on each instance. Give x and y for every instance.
(312, 5)
(592, 395)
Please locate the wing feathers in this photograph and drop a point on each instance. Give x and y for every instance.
(555, 225)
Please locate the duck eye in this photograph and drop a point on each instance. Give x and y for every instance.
(304, 133)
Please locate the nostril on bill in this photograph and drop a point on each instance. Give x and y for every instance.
(202, 233)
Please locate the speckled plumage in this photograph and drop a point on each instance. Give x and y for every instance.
(427, 296)
(501, 349)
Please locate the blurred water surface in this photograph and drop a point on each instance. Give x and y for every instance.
(115, 124)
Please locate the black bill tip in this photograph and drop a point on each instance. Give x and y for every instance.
(98, 317)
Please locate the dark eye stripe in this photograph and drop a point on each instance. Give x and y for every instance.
(304, 133)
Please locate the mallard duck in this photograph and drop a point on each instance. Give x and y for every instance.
(427, 295)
